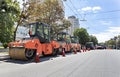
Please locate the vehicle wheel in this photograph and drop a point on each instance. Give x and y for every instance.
(43, 54)
(55, 52)
(71, 50)
(30, 54)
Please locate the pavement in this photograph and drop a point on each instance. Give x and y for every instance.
(95, 63)
(4, 50)
(4, 54)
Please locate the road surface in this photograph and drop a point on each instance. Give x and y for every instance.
(96, 63)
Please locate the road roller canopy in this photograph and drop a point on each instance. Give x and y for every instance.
(37, 29)
(63, 36)
(40, 30)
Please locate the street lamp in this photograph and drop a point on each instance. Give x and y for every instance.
(116, 41)
(84, 18)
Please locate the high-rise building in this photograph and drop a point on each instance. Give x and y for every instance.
(22, 32)
(75, 24)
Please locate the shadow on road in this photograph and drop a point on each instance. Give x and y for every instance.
(42, 59)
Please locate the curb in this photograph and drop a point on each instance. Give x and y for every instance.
(3, 49)
(4, 56)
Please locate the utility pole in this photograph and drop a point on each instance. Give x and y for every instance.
(116, 41)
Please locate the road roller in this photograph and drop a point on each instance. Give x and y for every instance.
(75, 43)
(39, 43)
(63, 38)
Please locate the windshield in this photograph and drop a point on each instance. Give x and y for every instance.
(43, 31)
(74, 40)
(63, 37)
(46, 32)
(89, 44)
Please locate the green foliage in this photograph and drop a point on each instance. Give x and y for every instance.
(93, 39)
(56, 28)
(5, 44)
(49, 12)
(8, 16)
(111, 43)
(118, 42)
(82, 34)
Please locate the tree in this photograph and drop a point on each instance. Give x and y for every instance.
(118, 42)
(49, 12)
(93, 39)
(111, 43)
(82, 34)
(8, 15)
(22, 16)
(56, 28)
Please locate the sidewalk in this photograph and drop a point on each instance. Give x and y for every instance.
(4, 50)
(4, 54)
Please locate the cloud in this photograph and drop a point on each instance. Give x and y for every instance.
(107, 23)
(114, 29)
(96, 8)
(87, 9)
(91, 9)
(108, 34)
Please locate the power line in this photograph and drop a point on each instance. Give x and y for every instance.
(75, 8)
(107, 18)
(92, 26)
(104, 12)
(71, 9)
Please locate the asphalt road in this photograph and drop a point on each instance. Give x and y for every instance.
(96, 63)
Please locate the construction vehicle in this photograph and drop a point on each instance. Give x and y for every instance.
(75, 44)
(90, 45)
(39, 43)
(63, 39)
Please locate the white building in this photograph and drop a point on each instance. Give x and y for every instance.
(22, 32)
(75, 24)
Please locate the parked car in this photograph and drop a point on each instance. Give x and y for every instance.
(100, 47)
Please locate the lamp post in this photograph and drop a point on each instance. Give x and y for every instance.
(116, 44)
(116, 41)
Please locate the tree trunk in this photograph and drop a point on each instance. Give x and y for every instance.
(18, 23)
(15, 32)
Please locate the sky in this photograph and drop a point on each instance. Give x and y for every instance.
(102, 16)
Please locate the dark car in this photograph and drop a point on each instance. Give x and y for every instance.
(100, 47)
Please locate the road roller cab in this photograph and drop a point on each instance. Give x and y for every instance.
(75, 43)
(39, 43)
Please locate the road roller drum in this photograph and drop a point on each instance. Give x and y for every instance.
(17, 53)
(21, 53)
